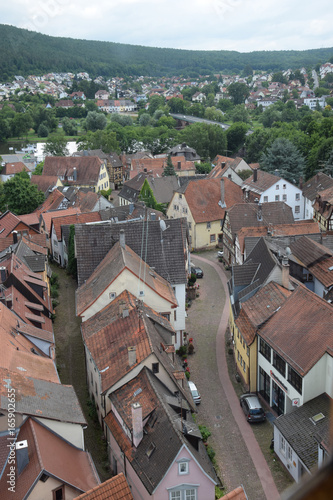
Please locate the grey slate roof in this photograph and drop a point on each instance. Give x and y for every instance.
(315, 185)
(163, 250)
(35, 261)
(301, 433)
(41, 398)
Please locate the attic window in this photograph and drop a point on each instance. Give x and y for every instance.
(317, 418)
(150, 450)
(44, 478)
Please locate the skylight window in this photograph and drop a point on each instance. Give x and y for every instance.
(317, 418)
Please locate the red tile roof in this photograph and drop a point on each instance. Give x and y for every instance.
(203, 197)
(301, 330)
(155, 166)
(50, 454)
(78, 218)
(87, 168)
(14, 168)
(47, 217)
(115, 488)
(52, 202)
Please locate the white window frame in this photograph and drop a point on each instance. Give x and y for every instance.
(183, 467)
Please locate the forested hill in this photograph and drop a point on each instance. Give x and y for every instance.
(24, 52)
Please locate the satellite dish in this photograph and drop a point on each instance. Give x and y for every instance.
(288, 251)
(162, 225)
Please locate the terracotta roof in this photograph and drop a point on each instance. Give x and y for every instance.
(50, 454)
(52, 202)
(301, 330)
(115, 488)
(237, 494)
(78, 218)
(47, 217)
(87, 168)
(204, 198)
(114, 263)
(155, 166)
(8, 222)
(324, 202)
(258, 308)
(30, 219)
(297, 228)
(14, 168)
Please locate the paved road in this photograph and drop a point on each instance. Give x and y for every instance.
(238, 454)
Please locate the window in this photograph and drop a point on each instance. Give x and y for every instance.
(183, 467)
(277, 197)
(183, 492)
(180, 195)
(212, 238)
(289, 454)
(284, 186)
(265, 350)
(297, 209)
(59, 493)
(277, 187)
(279, 363)
(112, 295)
(283, 445)
(284, 197)
(155, 367)
(297, 196)
(208, 225)
(175, 315)
(190, 225)
(294, 379)
(265, 199)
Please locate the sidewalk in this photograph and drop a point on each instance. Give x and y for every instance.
(238, 454)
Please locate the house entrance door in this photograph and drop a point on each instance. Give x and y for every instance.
(278, 399)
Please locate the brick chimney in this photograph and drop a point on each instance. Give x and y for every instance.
(255, 175)
(222, 193)
(137, 426)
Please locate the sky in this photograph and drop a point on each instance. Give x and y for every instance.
(240, 25)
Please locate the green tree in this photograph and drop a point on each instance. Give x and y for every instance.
(169, 169)
(39, 169)
(21, 124)
(95, 121)
(256, 143)
(19, 195)
(224, 105)
(239, 92)
(236, 136)
(270, 116)
(208, 140)
(203, 168)
(69, 126)
(106, 140)
(284, 158)
(177, 105)
(240, 114)
(56, 146)
(155, 102)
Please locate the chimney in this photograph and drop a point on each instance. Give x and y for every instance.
(14, 237)
(222, 193)
(179, 165)
(137, 426)
(22, 457)
(223, 165)
(285, 272)
(255, 175)
(259, 214)
(122, 238)
(74, 174)
(131, 355)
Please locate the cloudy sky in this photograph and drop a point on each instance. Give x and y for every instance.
(238, 25)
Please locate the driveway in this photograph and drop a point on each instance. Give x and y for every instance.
(238, 455)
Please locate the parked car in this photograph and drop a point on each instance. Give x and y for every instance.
(197, 271)
(195, 393)
(220, 253)
(252, 408)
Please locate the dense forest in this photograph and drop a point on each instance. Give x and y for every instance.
(26, 52)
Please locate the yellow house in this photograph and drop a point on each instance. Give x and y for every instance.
(203, 202)
(85, 172)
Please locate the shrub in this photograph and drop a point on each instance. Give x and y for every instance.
(182, 350)
(191, 348)
(210, 453)
(205, 433)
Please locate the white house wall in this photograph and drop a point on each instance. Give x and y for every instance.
(179, 324)
(319, 379)
(290, 192)
(73, 433)
(294, 464)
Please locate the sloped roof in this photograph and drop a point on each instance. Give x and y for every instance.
(127, 212)
(8, 222)
(47, 217)
(114, 263)
(50, 454)
(258, 308)
(14, 168)
(52, 202)
(163, 430)
(113, 327)
(204, 198)
(246, 215)
(163, 187)
(315, 185)
(45, 183)
(78, 218)
(87, 168)
(301, 433)
(41, 398)
(264, 181)
(301, 330)
(165, 249)
(115, 488)
(317, 258)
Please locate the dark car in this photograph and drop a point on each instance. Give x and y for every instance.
(197, 271)
(252, 408)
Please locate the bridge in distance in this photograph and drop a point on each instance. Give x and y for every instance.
(194, 119)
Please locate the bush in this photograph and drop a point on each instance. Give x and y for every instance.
(191, 348)
(182, 350)
(205, 433)
(211, 453)
(54, 292)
